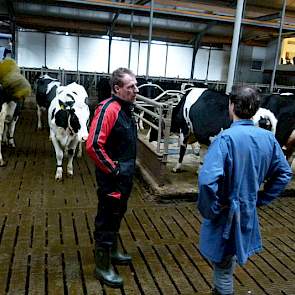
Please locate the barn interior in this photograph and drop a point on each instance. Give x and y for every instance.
(46, 227)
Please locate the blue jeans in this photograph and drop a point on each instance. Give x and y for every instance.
(223, 275)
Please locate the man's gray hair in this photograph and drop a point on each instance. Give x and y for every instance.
(118, 75)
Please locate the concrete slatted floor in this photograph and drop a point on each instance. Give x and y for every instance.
(46, 240)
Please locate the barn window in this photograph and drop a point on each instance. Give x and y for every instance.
(257, 65)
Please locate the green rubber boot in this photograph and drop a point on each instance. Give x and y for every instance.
(104, 270)
(118, 257)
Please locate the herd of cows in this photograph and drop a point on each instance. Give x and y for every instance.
(200, 112)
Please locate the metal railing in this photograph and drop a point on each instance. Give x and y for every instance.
(160, 120)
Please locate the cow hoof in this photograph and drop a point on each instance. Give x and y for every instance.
(58, 177)
(3, 163)
(176, 170)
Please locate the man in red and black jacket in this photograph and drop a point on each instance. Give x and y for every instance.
(111, 145)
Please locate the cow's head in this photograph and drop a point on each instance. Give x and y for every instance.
(66, 117)
(265, 123)
(77, 94)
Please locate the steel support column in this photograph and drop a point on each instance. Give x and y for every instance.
(150, 39)
(78, 52)
(110, 47)
(278, 48)
(45, 50)
(130, 39)
(235, 46)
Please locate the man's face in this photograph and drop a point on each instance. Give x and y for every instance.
(128, 90)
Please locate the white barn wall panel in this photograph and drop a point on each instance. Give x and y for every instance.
(201, 64)
(119, 54)
(173, 61)
(143, 49)
(61, 52)
(93, 55)
(179, 62)
(31, 49)
(134, 57)
(218, 65)
(157, 60)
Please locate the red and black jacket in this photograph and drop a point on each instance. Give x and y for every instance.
(112, 140)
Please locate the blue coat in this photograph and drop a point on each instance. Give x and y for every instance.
(235, 166)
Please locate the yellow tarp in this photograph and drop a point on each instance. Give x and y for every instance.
(13, 82)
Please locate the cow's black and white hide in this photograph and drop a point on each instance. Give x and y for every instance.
(282, 106)
(9, 114)
(68, 116)
(200, 116)
(265, 119)
(45, 93)
(14, 89)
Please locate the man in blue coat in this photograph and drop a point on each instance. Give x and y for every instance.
(238, 162)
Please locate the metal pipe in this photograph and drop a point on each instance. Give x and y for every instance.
(109, 57)
(235, 46)
(159, 130)
(166, 60)
(78, 45)
(138, 57)
(5, 36)
(278, 48)
(13, 39)
(130, 39)
(126, 8)
(150, 38)
(45, 50)
(167, 128)
(208, 63)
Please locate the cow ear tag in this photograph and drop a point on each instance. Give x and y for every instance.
(61, 104)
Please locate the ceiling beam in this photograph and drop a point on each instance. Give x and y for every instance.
(92, 28)
(268, 17)
(141, 2)
(169, 13)
(10, 8)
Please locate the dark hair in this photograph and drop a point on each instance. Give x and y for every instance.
(117, 77)
(246, 102)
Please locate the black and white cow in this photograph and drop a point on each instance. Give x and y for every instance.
(9, 114)
(68, 116)
(14, 88)
(282, 108)
(203, 113)
(45, 93)
(199, 116)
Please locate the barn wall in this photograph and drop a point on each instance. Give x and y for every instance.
(61, 52)
(245, 72)
(179, 61)
(166, 60)
(270, 55)
(31, 49)
(93, 54)
(218, 65)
